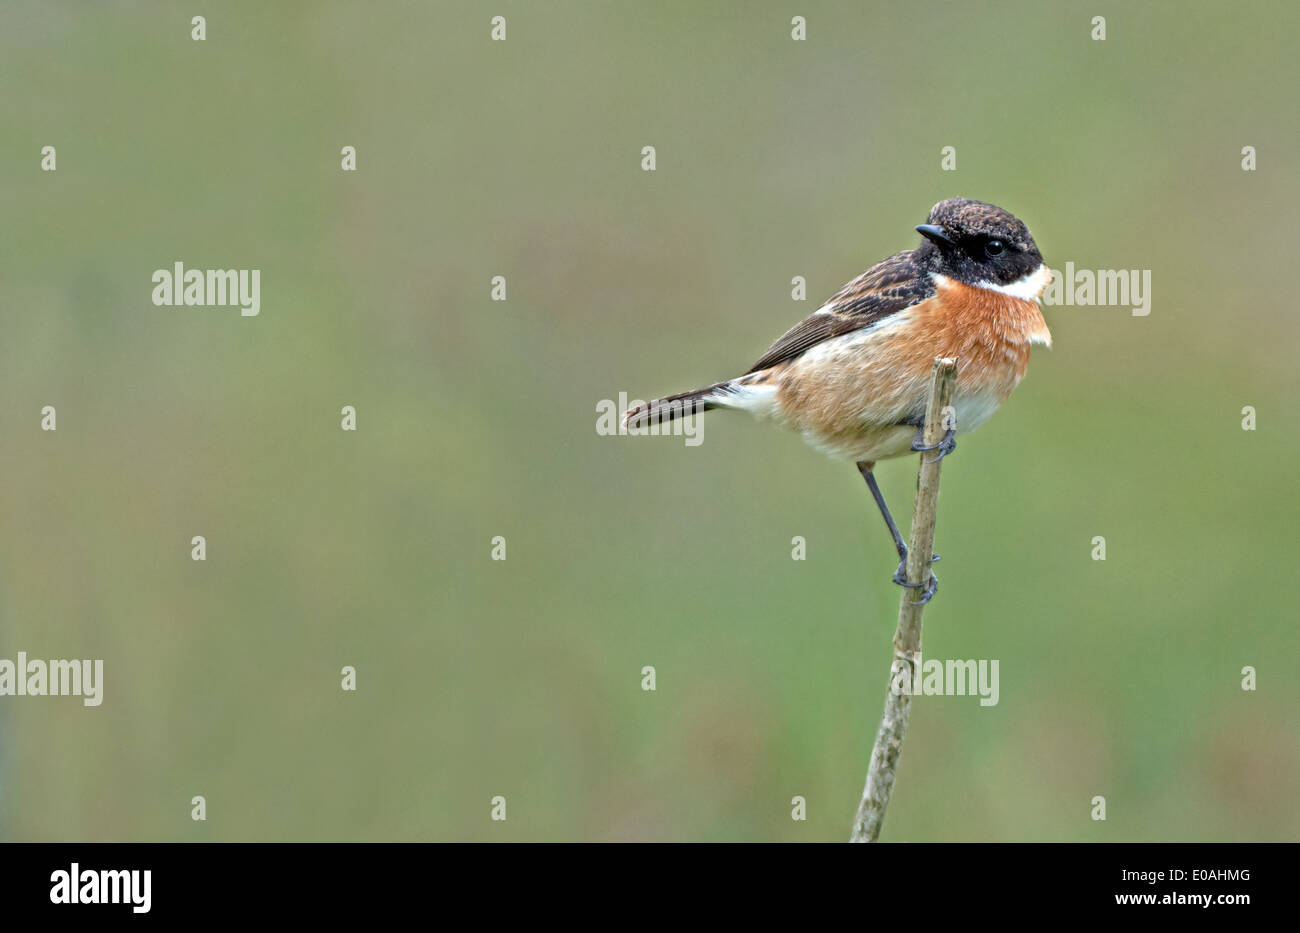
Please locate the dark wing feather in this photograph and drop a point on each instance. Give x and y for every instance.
(886, 288)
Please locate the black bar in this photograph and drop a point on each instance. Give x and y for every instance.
(373, 881)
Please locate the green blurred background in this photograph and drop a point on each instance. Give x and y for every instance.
(477, 418)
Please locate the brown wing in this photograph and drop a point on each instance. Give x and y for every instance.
(886, 288)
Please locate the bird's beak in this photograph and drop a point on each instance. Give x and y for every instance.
(935, 234)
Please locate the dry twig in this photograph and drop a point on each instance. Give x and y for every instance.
(907, 640)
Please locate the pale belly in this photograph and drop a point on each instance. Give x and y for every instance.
(867, 440)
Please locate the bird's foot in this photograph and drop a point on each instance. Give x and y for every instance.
(947, 444)
(928, 589)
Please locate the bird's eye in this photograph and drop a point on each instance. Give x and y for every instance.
(993, 248)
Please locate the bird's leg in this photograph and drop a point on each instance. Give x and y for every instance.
(865, 468)
(900, 575)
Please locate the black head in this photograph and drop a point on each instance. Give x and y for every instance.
(974, 242)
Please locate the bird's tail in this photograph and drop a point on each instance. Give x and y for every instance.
(671, 407)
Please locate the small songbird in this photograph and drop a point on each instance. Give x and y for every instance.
(853, 377)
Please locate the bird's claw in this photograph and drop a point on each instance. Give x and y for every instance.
(928, 589)
(931, 587)
(947, 444)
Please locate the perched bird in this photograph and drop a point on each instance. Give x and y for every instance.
(853, 377)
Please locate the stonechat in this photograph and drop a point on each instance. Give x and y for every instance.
(853, 376)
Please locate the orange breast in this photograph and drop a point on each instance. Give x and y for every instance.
(990, 332)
